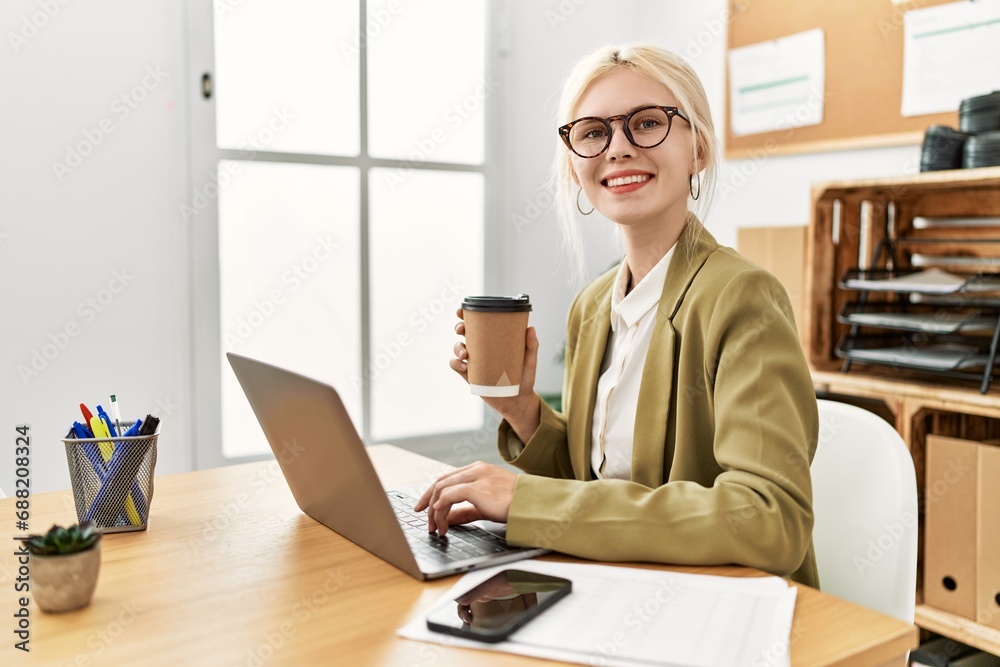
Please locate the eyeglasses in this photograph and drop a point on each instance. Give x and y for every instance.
(645, 128)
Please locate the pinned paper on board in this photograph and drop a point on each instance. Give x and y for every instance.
(950, 52)
(778, 84)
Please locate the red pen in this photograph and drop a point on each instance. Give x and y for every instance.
(87, 416)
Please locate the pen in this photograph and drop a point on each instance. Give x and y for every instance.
(122, 467)
(140, 500)
(100, 430)
(133, 430)
(149, 427)
(97, 463)
(116, 413)
(87, 415)
(82, 433)
(107, 421)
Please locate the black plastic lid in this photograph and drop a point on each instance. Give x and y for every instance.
(945, 131)
(981, 102)
(498, 304)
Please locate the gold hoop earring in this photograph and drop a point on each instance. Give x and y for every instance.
(582, 212)
(691, 186)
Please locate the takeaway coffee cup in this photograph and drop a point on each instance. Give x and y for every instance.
(495, 328)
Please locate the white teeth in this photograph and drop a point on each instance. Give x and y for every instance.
(625, 180)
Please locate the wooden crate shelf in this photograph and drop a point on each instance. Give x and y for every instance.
(962, 629)
(917, 403)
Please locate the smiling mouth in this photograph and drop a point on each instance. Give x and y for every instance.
(626, 180)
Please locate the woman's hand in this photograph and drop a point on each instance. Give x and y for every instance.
(522, 412)
(488, 488)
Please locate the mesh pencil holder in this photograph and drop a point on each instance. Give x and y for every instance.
(112, 479)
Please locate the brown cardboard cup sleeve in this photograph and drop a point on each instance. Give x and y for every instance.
(495, 328)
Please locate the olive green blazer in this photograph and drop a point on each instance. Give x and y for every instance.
(725, 429)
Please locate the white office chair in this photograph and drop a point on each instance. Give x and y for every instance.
(865, 504)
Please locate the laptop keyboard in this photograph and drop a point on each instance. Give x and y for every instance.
(461, 542)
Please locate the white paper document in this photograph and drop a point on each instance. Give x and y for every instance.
(777, 84)
(626, 616)
(950, 52)
(929, 281)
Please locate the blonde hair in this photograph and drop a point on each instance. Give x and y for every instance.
(659, 65)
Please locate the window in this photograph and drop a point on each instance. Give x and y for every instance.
(349, 153)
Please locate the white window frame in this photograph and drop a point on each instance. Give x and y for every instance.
(204, 156)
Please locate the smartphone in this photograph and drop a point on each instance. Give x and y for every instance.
(494, 609)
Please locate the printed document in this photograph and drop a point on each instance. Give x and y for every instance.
(950, 52)
(628, 616)
(778, 84)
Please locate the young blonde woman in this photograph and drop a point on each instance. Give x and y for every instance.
(689, 417)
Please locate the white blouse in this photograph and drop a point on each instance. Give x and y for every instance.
(632, 319)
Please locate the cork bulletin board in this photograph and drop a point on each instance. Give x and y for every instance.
(864, 73)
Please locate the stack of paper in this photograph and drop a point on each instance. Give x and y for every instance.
(939, 322)
(936, 357)
(931, 281)
(626, 616)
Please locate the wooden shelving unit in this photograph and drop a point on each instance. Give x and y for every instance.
(963, 629)
(849, 221)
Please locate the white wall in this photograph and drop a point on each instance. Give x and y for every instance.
(64, 241)
(546, 38)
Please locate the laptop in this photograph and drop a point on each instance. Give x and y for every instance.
(333, 480)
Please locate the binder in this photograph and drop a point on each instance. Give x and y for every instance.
(950, 523)
(988, 538)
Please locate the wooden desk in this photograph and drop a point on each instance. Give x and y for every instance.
(230, 573)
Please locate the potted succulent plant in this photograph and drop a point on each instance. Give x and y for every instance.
(64, 565)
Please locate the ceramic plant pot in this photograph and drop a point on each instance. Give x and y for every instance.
(65, 583)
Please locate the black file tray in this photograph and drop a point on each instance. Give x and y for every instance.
(945, 355)
(929, 318)
(946, 330)
(876, 280)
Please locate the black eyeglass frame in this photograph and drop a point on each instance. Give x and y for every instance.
(625, 118)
